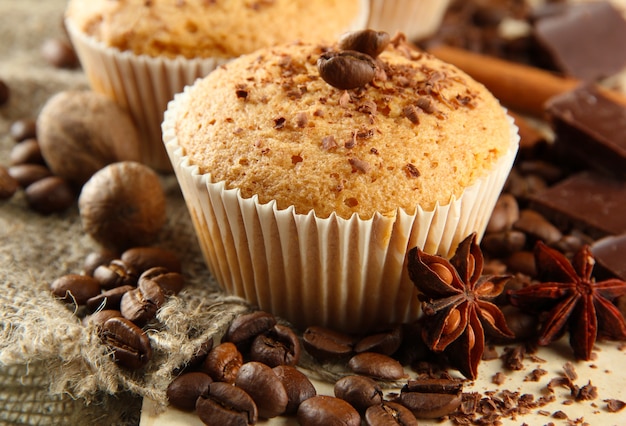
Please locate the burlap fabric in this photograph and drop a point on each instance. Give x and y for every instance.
(53, 370)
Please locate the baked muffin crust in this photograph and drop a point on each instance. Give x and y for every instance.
(418, 134)
(210, 28)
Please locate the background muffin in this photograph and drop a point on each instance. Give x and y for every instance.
(142, 53)
(306, 197)
(417, 19)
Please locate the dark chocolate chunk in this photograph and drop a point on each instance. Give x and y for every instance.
(610, 256)
(585, 40)
(591, 127)
(592, 202)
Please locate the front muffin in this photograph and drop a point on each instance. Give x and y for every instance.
(306, 196)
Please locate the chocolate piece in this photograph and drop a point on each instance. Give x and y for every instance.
(585, 41)
(589, 201)
(609, 255)
(591, 127)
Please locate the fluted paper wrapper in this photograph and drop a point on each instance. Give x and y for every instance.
(347, 274)
(417, 19)
(142, 84)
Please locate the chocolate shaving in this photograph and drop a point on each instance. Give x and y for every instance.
(301, 120)
(614, 405)
(279, 122)
(359, 165)
(329, 142)
(410, 112)
(412, 171)
(587, 392)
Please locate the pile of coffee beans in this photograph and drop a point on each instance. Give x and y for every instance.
(45, 193)
(120, 295)
(252, 374)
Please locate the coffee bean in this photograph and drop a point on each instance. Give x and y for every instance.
(523, 324)
(346, 69)
(225, 404)
(109, 299)
(26, 152)
(504, 215)
(22, 129)
(367, 41)
(534, 224)
(377, 366)
(503, 243)
(141, 304)
(223, 362)
(97, 258)
(75, 288)
(129, 343)
(59, 53)
(5, 93)
(385, 342)
(198, 357)
(99, 318)
(170, 282)
(522, 261)
(277, 346)
(323, 410)
(8, 184)
(431, 398)
(50, 195)
(246, 327)
(263, 385)
(184, 390)
(359, 391)
(143, 258)
(328, 345)
(27, 173)
(389, 414)
(115, 274)
(297, 385)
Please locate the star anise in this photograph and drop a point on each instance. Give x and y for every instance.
(455, 302)
(571, 297)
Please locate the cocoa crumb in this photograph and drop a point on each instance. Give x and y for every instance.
(344, 99)
(411, 171)
(425, 104)
(374, 151)
(513, 357)
(318, 113)
(499, 378)
(350, 143)
(241, 94)
(358, 165)
(535, 375)
(559, 415)
(490, 353)
(295, 159)
(367, 107)
(543, 413)
(559, 382)
(614, 405)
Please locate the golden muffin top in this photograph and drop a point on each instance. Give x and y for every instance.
(211, 28)
(418, 133)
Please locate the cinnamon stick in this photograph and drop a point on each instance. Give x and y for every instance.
(522, 88)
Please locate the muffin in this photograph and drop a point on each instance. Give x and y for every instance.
(306, 197)
(143, 52)
(417, 19)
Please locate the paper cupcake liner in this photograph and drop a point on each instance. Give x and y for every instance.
(141, 84)
(348, 274)
(417, 19)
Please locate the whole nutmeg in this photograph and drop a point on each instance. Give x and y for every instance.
(81, 131)
(123, 205)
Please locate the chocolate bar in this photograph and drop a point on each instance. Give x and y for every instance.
(583, 40)
(590, 126)
(610, 253)
(589, 201)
